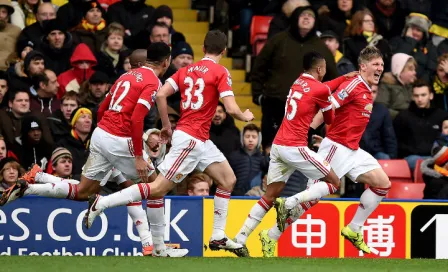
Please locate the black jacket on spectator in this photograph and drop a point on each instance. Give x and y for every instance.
(46, 106)
(106, 65)
(439, 12)
(79, 152)
(30, 36)
(279, 23)
(226, 136)
(57, 60)
(379, 135)
(436, 184)
(424, 53)
(94, 40)
(18, 80)
(354, 44)
(71, 14)
(134, 16)
(420, 6)
(388, 26)
(336, 20)
(59, 127)
(417, 129)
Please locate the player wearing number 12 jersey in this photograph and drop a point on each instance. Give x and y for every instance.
(289, 151)
(201, 85)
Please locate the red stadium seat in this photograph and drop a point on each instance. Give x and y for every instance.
(418, 175)
(406, 190)
(259, 25)
(396, 170)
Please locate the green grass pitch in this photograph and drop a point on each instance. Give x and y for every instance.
(136, 264)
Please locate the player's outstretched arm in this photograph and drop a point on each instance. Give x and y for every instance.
(162, 104)
(234, 110)
(137, 119)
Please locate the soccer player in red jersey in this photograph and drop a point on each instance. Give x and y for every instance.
(201, 85)
(353, 103)
(116, 147)
(289, 151)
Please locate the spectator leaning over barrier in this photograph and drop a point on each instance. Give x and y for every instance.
(10, 171)
(343, 64)
(198, 184)
(46, 85)
(21, 73)
(59, 121)
(79, 140)
(8, 33)
(247, 162)
(395, 89)
(223, 132)
(440, 83)
(379, 137)
(435, 174)
(280, 63)
(61, 163)
(419, 126)
(415, 41)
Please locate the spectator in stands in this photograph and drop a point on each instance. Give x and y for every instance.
(57, 47)
(439, 15)
(10, 171)
(127, 62)
(94, 90)
(3, 89)
(336, 16)
(78, 141)
(223, 132)
(389, 17)
(164, 14)
(435, 174)
(61, 163)
(361, 33)
(379, 137)
(440, 83)
(71, 14)
(415, 42)
(30, 146)
(112, 54)
(395, 90)
(153, 146)
(159, 32)
(442, 140)
(419, 6)
(135, 16)
(59, 121)
(31, 36)
(82, 62)
(22, 72)
(247, 162)
(280, 63)
(343, 64)
(198, 184)
(92, 29)
(4, 152)
(8, 33)
(24, 12)
(280, 22)
(46, 85)
(419, 126)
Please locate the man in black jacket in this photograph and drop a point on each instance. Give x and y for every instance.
(223, 132)
(379, 138)
(419, 126)
(59, 121)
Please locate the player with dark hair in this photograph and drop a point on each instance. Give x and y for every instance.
(116, 147)
(201, 85)
(290, 152)
(353, 103)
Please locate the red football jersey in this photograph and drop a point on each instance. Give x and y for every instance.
(306, 96)
(201, 85)
(135, 86)
(354, 103)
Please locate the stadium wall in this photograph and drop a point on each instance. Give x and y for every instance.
(53, 227)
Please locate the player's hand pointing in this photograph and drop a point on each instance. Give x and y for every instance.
(351, 74)
(248, 115)
(165, 134)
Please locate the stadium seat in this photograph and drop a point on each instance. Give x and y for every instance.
(259, 32)
(396, 170)
(418, 175)
(406, 190)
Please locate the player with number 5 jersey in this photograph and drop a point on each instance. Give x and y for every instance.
(201, 85)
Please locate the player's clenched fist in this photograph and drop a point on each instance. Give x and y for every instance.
(142, 168)
(248, 115)
(165, 134)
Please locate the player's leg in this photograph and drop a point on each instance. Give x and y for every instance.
(369, 172)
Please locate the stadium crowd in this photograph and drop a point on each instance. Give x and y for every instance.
(57, 64)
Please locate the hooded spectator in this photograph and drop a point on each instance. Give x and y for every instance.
(10, 171)
(31, 36)
(94, 90)
(79, 140)
(389, 16)
(395, 89)
(361, 33)
(153, 146)
(135, 16)
(59, 121)
(223, 132)
(279, 64)
(23, 71)
(440, 83)
(280, 22)
(415, 42)
(8, 33)
(82, 62)
(46, 85)
(337, 16)
(30, 146)
(343, 64)
(61, 163)
(92, 29)
(247, 161)
(435, 174)
(113, 53)
(57, 47)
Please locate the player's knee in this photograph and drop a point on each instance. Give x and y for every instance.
(228, 182)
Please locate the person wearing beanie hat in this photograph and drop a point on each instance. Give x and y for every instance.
(343, 64)
(395, 89)
(164, 14)
(20, 76)
(182, 55)
(8, 33)
(61, 163)
(415, 42)
(93, 92)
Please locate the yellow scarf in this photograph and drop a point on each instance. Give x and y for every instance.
(30, 18)
(338, 56)
(439, 86)
(75, 135)
(93, 28)
(114, 56)
(368, 35)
